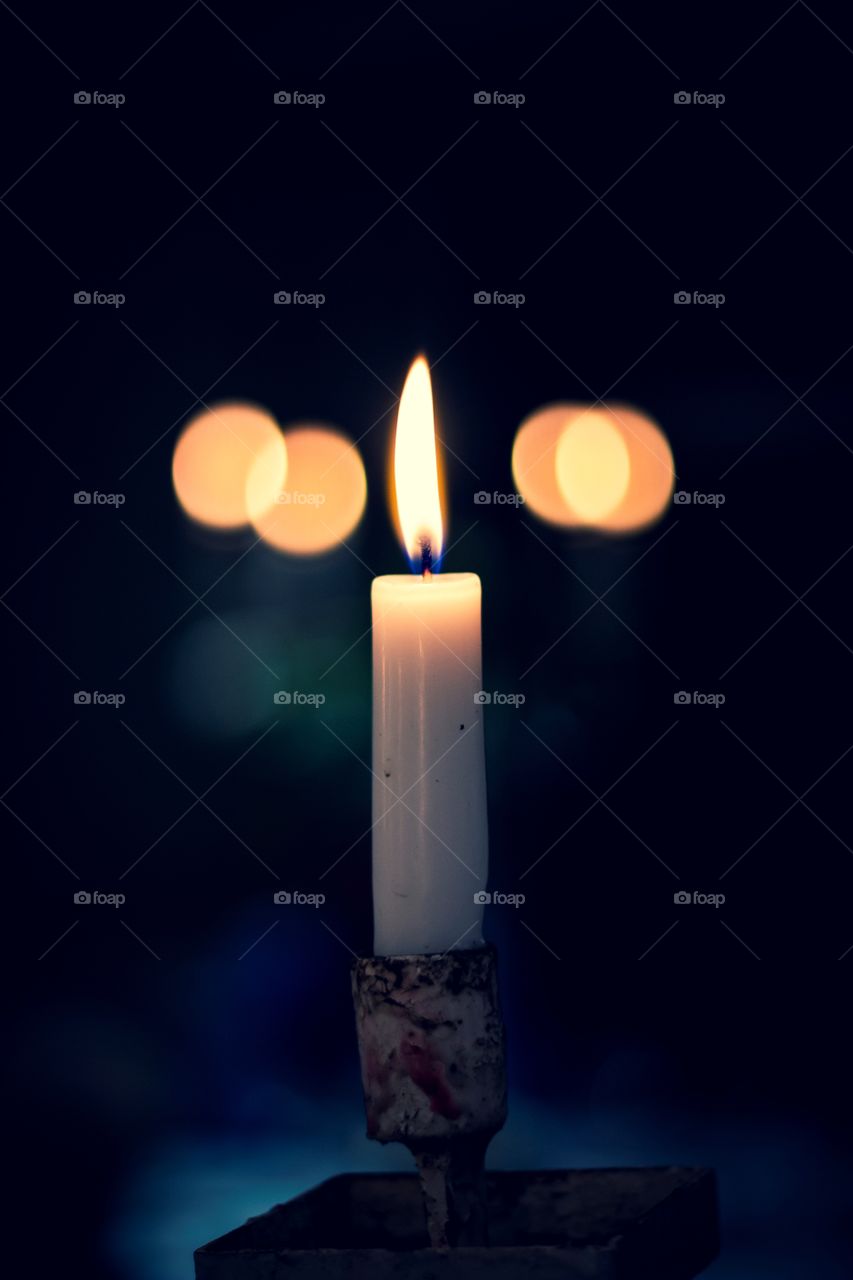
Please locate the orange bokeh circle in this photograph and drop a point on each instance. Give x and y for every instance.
(540, 440)
(214, 456)
(324, 497)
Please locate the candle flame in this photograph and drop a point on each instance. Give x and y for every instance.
(416, 480)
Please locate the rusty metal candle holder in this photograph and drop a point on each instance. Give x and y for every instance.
(431, 1044)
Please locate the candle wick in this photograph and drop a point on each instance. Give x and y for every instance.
(426, 558)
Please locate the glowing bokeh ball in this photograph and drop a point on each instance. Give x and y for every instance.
(323, 499)
(607, 467)
(534, 467)
(592, 464)
(214, 456)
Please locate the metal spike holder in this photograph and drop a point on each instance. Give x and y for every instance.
(431, 1043)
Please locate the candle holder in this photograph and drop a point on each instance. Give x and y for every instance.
(554, 1224)
(431, 1044)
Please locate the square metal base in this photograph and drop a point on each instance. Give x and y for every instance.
(618, 1224)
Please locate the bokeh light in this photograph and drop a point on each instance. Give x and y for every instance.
(652, 472)
(324, 497)
(214, 456)
(609, 467)
(593, 468)
(534, 467)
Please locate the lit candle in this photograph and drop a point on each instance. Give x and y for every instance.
(430, 838)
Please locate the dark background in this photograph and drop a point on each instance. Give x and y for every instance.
(169, 1076)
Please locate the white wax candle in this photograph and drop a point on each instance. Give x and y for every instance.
(430, 840)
